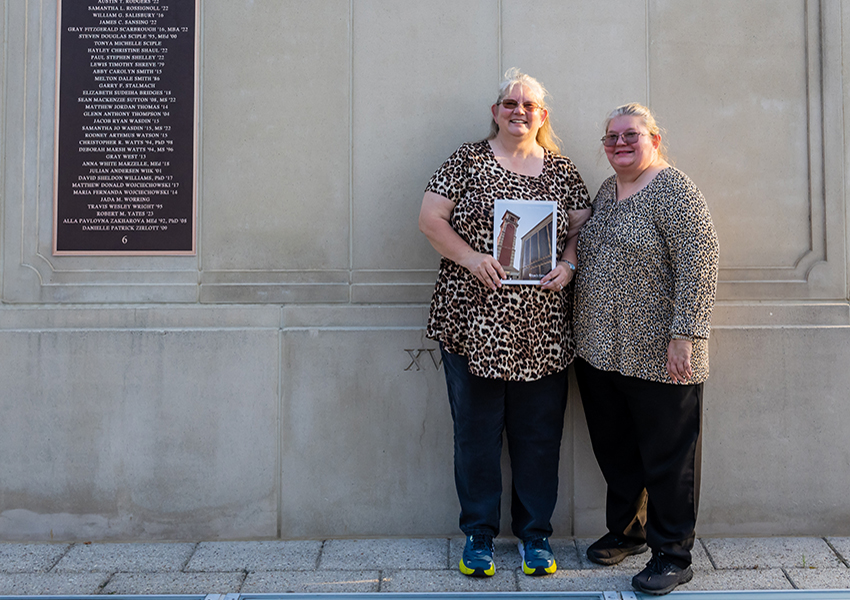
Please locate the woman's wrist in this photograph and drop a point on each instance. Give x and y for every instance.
(570, 265)
(681, 336)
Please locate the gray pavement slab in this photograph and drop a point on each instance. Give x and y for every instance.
(396, 565)
(619, 580)
(742, 579)
(144, 558)
(577, 580)
(255, 556)
(270, 582)
(760, 553)
(51, 584)
(700, 560)
(820, 579)
(359, 555)
(842, 546)
(30, 558)
(174, 583)
(453, 581)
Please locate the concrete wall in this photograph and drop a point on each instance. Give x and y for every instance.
(279, 384)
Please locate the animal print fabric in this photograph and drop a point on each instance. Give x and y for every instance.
(647, 269)
(517, 332)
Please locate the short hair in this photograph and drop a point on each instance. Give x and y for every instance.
(545, 135)
(633, 109)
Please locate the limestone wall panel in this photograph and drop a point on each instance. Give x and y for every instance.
(137, 432)
(364, 442)
(775, 447)
(756, 134)
(30, 273)
(746, 93)
(412, 107)
(276, 148)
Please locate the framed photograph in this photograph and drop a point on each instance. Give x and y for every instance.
(524, 239)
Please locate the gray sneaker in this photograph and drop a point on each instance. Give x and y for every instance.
(661, 576)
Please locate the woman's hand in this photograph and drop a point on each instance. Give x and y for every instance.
(679, 360)
(486, 269)
(558, 278)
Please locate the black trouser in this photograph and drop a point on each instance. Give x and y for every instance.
(531, 413)
(645, 436)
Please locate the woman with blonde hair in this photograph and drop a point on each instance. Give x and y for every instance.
(644, 295)
(505, 348)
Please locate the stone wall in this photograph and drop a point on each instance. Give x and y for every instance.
(279, 384)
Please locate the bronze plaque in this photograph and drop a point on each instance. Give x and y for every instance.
(126, 127)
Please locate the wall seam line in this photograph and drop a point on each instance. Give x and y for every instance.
(38, 127)
(350, 146)
(199, 195)
(278, 488)
(647, 49)
(4, 53)
(23, 131)
(499, 39)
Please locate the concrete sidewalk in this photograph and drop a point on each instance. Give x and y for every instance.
(395, 565)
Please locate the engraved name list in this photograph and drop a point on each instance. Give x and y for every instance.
(126, 127)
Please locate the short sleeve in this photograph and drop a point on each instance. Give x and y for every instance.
(570, 185)
(452, 177)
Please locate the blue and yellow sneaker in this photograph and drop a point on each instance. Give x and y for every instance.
(537, 557)
(477, 560)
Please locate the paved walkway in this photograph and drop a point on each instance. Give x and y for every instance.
(395, 565)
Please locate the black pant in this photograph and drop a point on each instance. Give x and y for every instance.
(645, 436)
(532, 415)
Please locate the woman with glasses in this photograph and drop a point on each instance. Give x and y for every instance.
(505, 348)
(644, 294)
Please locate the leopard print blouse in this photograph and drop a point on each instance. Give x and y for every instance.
(647, 269)
(517, 332)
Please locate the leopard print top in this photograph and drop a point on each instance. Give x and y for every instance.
(518, 332)
(647, 269)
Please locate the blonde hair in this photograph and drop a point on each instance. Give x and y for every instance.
(633, 109)
(545, 135)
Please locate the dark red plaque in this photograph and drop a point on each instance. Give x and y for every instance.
(126, 127)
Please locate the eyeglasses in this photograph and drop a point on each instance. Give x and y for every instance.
(526, 106)
(629, 137)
